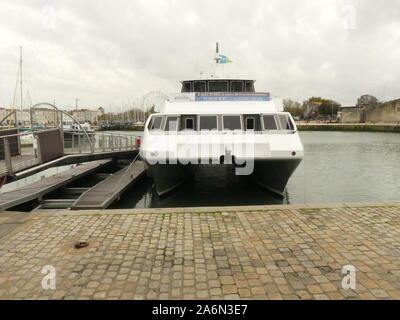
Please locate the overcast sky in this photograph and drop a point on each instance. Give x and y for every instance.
(112, 52)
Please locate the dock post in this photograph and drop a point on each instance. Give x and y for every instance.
(61, 124)
(7, 156)
(79, 143)
(19, 142)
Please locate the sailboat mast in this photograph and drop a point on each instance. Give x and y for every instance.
(20, 66)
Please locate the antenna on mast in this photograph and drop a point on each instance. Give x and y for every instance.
(217, 57)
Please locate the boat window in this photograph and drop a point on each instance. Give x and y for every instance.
(218, 86)
(155, 123)
(249, 86)
(199, 86)
(286, 123)
(171, 124)
(187, 87)
(250, 123)
(269, 122)
(208, 123)
(189, 124)
(231, 122)
(236, 86)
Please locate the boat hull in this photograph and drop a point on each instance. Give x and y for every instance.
(274, 175)
(167, 177)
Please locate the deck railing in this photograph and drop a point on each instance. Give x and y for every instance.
(99, 142)
(18, 153)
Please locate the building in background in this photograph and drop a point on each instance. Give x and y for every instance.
(47, 117)
(23, 117)
(86, 115)
(351, 114)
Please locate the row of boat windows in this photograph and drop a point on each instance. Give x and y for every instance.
(218, 86)
(221, 122)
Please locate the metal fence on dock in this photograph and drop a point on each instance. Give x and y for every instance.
(23, 150)
(99, 142)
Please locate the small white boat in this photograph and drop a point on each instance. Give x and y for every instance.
(73, 129)
(27, 140)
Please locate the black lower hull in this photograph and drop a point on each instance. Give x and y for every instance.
(167, 177)
(274, 175)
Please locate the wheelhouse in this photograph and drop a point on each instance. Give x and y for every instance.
(218, 85)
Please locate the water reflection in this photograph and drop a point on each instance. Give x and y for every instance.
(211, 186)
(338, 167)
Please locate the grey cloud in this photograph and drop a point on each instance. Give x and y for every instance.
(105, 52)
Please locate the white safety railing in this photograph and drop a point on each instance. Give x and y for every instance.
(76, 142)
(18, 152)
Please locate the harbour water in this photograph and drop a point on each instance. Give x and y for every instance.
(338, 167)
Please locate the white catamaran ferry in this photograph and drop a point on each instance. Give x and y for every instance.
(218, 121)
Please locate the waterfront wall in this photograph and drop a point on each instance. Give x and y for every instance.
(356, 127)
(120, 128)
(387, 113)
(351, 115)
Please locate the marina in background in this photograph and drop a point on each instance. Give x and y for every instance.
(78, 176)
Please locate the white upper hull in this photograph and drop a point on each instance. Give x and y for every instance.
(211, 146)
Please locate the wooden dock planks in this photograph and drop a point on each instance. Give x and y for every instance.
(44, 186)
(104, 193)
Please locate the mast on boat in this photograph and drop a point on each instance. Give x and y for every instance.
(217, 65)
(20, 80)
(20, 67)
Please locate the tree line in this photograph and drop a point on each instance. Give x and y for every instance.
(313, 107)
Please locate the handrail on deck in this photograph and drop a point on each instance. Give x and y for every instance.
(27, 133)
(101, 142)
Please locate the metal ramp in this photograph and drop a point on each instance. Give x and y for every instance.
(38, 189)
(107, 191)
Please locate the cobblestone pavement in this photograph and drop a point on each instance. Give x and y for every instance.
(284, 252)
